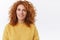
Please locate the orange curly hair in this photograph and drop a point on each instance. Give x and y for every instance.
(30, 13)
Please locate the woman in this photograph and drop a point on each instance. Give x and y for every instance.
(21, 25)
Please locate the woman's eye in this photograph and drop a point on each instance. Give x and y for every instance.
(18, 9)
(21, 10)
(24, 10)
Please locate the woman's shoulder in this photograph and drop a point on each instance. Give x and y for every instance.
(33, 26)
(8, 26)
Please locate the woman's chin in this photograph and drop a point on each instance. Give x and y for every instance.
(21, 18)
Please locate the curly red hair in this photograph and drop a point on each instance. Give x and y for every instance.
(30, 13)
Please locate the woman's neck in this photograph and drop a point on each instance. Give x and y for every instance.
(20, 21)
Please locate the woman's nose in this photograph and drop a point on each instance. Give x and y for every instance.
(21, 11)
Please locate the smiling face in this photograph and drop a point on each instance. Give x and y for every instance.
(21, 12)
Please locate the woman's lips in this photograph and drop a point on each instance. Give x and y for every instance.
(21, 15)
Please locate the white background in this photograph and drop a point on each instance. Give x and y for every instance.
(47, 19)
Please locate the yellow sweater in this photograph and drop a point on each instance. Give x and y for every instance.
(20, 32)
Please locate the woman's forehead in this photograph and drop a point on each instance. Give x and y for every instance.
(21, 6)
